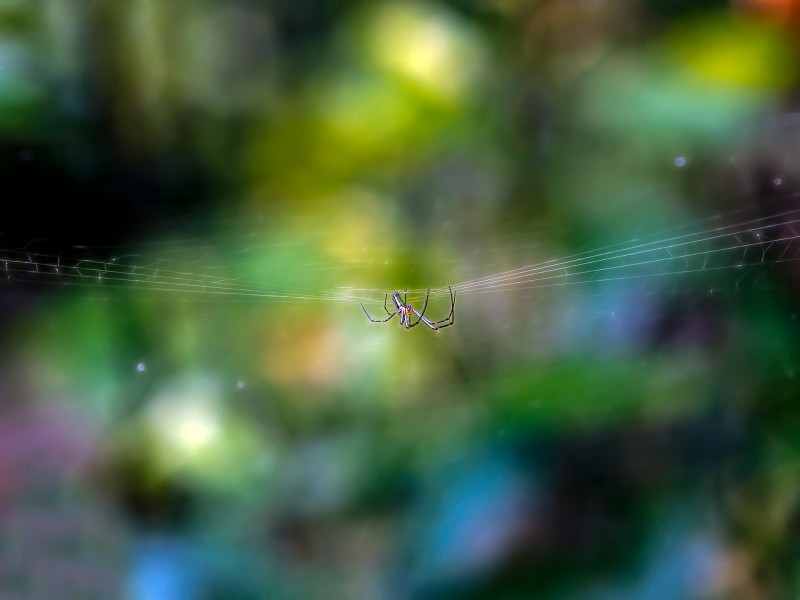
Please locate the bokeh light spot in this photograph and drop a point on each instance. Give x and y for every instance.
(184, 416)
(429, 48)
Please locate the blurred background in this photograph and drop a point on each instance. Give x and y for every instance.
(197, 195)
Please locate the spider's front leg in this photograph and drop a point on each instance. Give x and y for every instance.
(451, 318)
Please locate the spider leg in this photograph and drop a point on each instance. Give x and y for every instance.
(422, 319)
(385, 298)
(420, 314)
(425, 304)
(451, 318)
(377, 320)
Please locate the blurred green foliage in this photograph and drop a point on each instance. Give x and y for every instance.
(613, 439)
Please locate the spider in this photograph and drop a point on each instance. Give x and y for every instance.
(407, 310)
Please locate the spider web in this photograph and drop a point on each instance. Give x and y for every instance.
(725, 253)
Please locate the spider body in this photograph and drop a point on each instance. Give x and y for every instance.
(407, 311)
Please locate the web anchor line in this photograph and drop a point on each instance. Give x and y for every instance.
(718, 249)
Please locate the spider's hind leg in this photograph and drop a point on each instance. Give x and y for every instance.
(377, 320)
(425, 303)
(385, 298)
